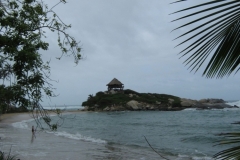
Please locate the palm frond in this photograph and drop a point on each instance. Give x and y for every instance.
(216, 37)
(233, 152)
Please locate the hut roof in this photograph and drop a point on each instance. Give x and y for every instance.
(114, 81)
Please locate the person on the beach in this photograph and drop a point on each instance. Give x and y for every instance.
(33, 130)
(33, 134)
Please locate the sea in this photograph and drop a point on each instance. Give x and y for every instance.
(189, 134)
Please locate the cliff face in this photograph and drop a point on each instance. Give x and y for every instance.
(134, 101)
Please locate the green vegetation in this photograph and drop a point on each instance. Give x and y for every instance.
(24, 75)
(214, 37)
(8, 95)
(102, 100)
(8, 156)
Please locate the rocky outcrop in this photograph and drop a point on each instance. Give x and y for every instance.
(114, 108)
(213, 106)
(205, 104)
(188, 103)
(134, 105)
(211, 101)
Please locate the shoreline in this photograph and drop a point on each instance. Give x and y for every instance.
(9, 118)
(21, 143)
(25, 147)
(44, 145)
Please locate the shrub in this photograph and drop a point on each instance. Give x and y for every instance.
(129, 91)
(4, 156)
(99, 93)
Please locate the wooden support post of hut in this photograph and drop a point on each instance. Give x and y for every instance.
(115, 85)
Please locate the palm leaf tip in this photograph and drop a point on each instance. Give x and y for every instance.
(232, 138)
(220, 41)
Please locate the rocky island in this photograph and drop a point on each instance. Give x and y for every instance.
(118, 99)
(134, 101)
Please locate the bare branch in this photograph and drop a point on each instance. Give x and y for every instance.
(155, 150)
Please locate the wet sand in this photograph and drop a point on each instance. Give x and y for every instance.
(21, 143)
(42, 146)
(17, 117)
(14, 117)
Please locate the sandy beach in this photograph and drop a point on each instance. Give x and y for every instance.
(16, 137)
(116, 135)
(14, 117)
(17, 117)
(44, 146)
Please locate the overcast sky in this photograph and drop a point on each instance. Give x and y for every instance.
(130, 40)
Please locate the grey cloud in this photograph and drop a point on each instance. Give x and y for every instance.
(131, 41)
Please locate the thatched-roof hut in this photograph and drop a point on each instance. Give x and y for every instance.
(115, 84)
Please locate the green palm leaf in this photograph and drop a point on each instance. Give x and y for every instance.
(216, 39)
(231, 153)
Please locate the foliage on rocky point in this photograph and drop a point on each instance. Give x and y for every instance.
(102, 100)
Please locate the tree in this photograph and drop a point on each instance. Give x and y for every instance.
(215, 36)
(23, 26)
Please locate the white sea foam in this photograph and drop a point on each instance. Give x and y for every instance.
(237, 103)
(78, 136)
(65, 107)
(23, 124)
(231, 109)
(190, 109)
(35, 154)
(202, 158)
(187, 157)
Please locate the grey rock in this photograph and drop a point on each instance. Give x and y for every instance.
(133, 104)
(211, 100)
(188, 102)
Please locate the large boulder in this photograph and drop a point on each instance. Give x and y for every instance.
(188, 102)
(133, 105)
(86, 108)
(106, 109)
(158, 102)
(112, 92)
(130, 95)
(203, 101)
(170, 100)
(215, 106)
(117, 108)
(211, 100)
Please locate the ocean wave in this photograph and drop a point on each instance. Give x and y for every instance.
(190, 109)
(236, 103)
(231, 109)
(22, 124)
(215, 109)
(187, 157)
(202, 158)
(78, 136)
(65, 107)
